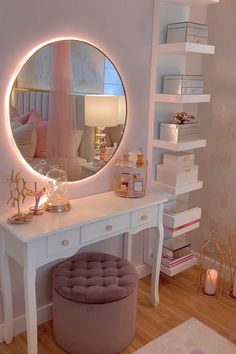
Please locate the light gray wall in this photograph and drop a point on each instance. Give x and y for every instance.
(122, 29)
(217, 162)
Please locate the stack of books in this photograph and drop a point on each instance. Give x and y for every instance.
(172, 258)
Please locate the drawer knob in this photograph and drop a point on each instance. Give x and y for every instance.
(65, 243)
(109, 227)
(144, 217)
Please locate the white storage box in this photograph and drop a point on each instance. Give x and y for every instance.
(183, 218)
(178, 159)
(187, 32)
(178, 224)
(176, 177)
(183, 84)
(178, 133)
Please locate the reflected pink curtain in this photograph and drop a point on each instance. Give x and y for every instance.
(62, 116)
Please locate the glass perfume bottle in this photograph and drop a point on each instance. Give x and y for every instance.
(130, 177)
(139, 158)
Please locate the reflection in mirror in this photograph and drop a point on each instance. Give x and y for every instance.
(68, 107)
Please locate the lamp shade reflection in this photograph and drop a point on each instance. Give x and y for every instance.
(101, 111)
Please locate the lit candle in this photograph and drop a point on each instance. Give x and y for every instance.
(211, 282)
(234, 285)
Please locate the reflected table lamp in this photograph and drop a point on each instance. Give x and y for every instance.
(101, 112)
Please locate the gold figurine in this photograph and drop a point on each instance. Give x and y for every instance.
(18, 194)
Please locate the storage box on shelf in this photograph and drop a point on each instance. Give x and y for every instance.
(170, 263)
(176, 254)
(177, 171)
(177, 177)
(178, 160)
(179, 267)
(183, 84)
(176, 224)
(187, 32)
(179, 133)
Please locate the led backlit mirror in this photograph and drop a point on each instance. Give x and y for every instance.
(68, 107)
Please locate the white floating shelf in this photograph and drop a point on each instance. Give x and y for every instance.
(178, 190)
(187, 145)
(166, 98)
(185, 48)
(178, 268)
(192, 2)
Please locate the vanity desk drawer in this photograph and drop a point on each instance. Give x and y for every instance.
(102, 228)
(144, 216)
(62, 241)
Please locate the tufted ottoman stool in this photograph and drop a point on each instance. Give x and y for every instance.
(94, 303)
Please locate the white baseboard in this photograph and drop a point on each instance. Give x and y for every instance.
(19, 325)
(143, 270)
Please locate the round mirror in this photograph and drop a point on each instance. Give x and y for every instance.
(68, 107)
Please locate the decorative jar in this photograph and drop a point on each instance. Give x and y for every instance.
(130, 176)
(57, 196)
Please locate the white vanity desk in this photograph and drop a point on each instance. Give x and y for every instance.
(53, 236)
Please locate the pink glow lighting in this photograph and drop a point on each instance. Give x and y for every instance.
(16, 71)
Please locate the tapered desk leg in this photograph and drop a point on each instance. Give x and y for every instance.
(128, 238)
(6, 294)
(157, 251)
(30, 304)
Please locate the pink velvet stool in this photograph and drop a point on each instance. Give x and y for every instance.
(94, 303)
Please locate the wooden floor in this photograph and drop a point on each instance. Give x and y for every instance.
(179, 300)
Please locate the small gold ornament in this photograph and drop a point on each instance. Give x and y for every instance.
(18, 194)
(183, 117)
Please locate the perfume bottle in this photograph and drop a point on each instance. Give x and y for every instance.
(130, 176)
(139, 158)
